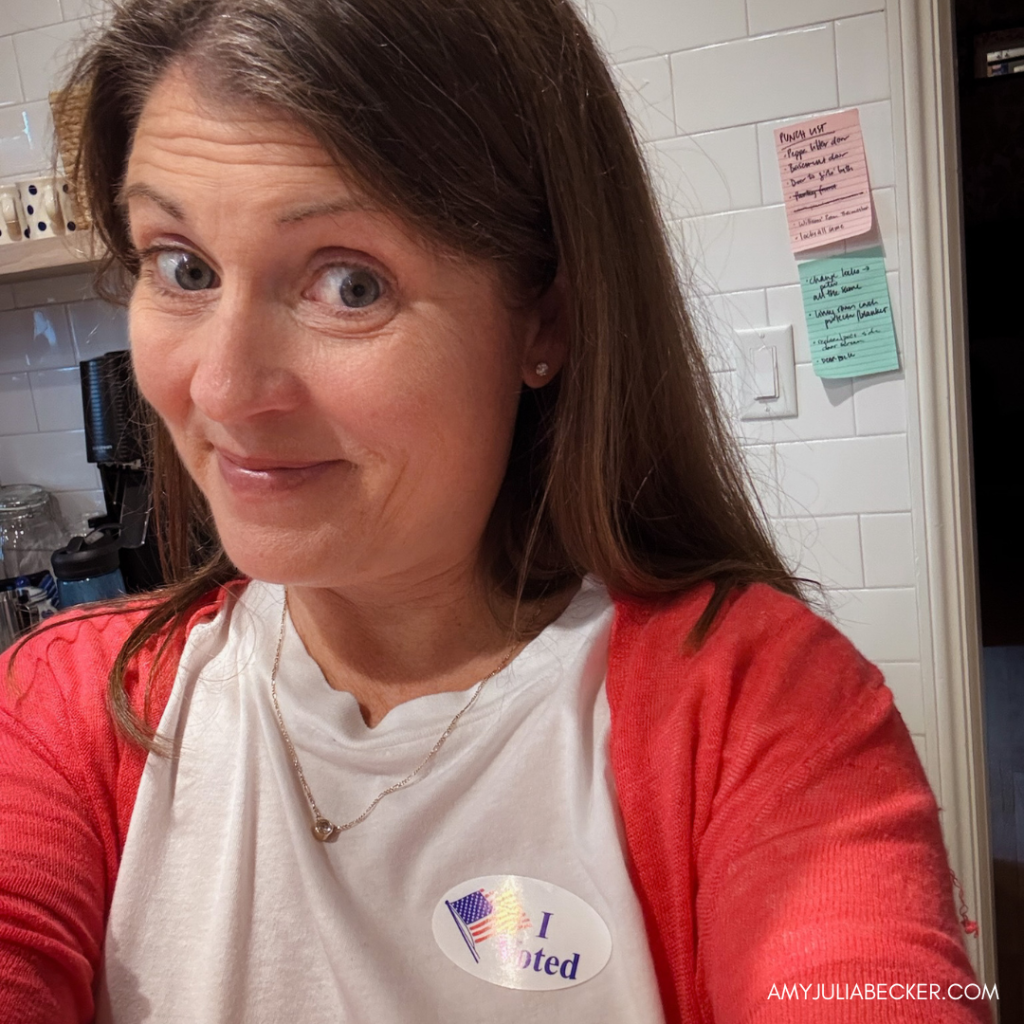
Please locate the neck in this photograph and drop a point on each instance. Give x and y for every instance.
(387, 648)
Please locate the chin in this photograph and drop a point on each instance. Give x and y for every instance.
(275, 555)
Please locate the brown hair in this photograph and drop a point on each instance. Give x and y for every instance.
(495, 127)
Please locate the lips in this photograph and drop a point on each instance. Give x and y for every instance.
(256, 476)
(259, 465)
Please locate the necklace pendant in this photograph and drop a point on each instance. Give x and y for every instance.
(324, 829)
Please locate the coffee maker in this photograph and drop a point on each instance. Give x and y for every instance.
(115, 441)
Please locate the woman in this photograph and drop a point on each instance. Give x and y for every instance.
(480, 692)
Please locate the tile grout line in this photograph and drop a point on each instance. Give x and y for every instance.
(860, 544)
(35, 406)
(672, 96)
(835, 60)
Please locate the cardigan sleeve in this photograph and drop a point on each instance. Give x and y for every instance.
(52, 870)
(782, 832)
(66, 790)
(68, 783)
(824, 891)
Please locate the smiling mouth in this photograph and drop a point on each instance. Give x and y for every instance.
(256, 476)
(259, 465)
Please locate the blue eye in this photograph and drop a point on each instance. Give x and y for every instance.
(186, 270)
(354, 287)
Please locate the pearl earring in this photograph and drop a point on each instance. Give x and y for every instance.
(542, 369)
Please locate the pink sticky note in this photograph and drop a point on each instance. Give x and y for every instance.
(824, 179)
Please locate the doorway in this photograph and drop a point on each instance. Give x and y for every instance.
(990, 90)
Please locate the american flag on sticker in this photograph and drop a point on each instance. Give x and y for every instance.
(480, 915)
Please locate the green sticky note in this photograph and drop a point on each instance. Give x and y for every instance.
(849, 316)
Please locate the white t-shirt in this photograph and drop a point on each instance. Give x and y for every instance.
(475, 894)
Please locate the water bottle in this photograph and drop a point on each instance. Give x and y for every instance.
(88, 569)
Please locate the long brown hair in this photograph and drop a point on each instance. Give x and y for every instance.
(494, 127)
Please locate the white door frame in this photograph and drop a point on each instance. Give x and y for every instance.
(929, 126)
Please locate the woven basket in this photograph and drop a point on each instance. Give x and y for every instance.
(68, 110)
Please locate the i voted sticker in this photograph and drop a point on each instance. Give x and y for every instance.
(521, 933)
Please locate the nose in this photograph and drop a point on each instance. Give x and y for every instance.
(242, 367)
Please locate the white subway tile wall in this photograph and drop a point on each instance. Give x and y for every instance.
(640, 28)
(42, 439)
(706, 82)
(755, 79)
(825, 549)
(57, 396)
(50, 290)
(35, 339)
(717, 318)
(888, 550)
(904, 679)
(43, 54)
(80, 506)
(22, 15)
(882, 623)
(825, 411)
(98, 328)
(26, 143)
(880, 403)
(646, 87)
(10, 82)
(708, 173)
(17, 409)
(772, 15)
(852, 474)
(785, 306)
(862, 57)
(54, 460)
(884, 200)
(740, 250)
(73, 10)
(836, 478)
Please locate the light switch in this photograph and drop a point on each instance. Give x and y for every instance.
(767, 373)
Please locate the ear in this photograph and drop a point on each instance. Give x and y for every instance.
(547, 342)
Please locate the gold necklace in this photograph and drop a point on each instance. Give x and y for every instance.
(323, 828)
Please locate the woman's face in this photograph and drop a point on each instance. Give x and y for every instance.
(343, 395)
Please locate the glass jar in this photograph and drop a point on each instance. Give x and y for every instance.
(31, 529)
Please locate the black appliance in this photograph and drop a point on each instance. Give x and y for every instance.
(115, 440)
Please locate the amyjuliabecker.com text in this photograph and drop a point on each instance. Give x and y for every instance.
(869, 991)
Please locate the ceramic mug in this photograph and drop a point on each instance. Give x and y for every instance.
(12, 223)
(43, 216)
(71, 215)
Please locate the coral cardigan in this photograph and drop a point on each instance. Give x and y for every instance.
(781, 830)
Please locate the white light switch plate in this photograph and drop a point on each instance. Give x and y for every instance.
(766, 367)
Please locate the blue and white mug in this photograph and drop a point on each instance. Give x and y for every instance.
(12, 222)
(39, 200)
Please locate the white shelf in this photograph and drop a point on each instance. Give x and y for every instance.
(48, 257)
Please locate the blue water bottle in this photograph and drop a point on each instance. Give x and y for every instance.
(88, 569)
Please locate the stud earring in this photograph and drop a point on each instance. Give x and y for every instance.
(542, 369)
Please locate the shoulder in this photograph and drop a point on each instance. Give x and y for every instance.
(748, 614)
(772, 683)
(761, 638)
(67, 658)
(55, 681)
(769, 788)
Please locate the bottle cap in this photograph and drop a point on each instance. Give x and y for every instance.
(86, 557)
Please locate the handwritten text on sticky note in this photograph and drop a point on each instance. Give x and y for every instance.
(824, 179)
(849, 316)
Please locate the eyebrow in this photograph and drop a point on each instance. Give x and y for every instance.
(169, 206)
(308, 211)
(326, 208)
